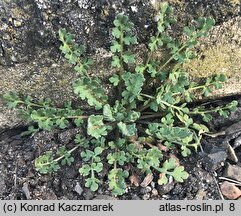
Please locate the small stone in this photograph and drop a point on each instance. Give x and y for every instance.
(164, 189)
(213, 161)
(134, 180)
(154, 192)
(26, 190)
(145, 190)
(230, 191)
(78, 188)
(13, 58)
(233, 171)
(17, 23)
(147, 180)
(134, 8)
(146, 196)
(231, 154)
(153, 184)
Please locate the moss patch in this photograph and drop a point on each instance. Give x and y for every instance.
(234, 2)
(215, 60)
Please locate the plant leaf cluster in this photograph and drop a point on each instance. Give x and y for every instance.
(151, 106)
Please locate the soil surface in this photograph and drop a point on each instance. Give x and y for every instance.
(208, 168)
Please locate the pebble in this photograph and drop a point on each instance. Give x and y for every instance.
(26, 190)
(147, 180)
(13, 58)
(230, 191)
(17, 23)
(134, 180)
(78, 188)
(153, 184)
(145, 190)
(233, 171)
(154, 192)
(232, 154)
(164, 189)
(213, 161)
(146, 196)
(134, 8)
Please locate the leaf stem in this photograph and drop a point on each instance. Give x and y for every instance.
(120, 71)
(161, 67)
(160, 101)
(151, 116)
(68, 152)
